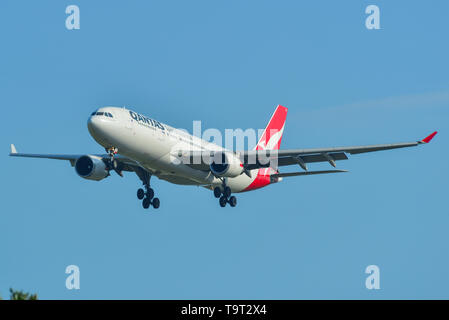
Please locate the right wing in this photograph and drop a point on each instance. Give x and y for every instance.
(70, 157)
(126, 164)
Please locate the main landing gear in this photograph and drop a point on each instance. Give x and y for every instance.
(148, 198)
(225, 196)
(147, 194)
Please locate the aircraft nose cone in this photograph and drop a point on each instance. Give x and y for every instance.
(98, 127)
(101, 129)
(92, 125)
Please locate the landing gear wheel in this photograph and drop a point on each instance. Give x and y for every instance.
(217, 192)
(146, 193)
(140, 194)
(227, 192)
(223, 201)
(225, 196)
(114, 164)
(233, 201)
(156, 203)
(150, 193)
(146, 203)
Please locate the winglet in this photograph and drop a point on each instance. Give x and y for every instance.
(13, 149)
(429, 137)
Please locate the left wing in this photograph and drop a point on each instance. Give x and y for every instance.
(303, 156)
(306, 173)
(255, 159)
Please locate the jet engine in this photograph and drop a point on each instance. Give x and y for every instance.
(91, 168)
(226, 164)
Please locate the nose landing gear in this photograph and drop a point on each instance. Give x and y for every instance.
(111, 163)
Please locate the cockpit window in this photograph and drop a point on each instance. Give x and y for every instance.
(106, 114)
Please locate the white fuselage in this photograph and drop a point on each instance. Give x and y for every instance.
(154, 145)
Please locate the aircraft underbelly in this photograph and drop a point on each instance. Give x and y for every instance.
(178, 180)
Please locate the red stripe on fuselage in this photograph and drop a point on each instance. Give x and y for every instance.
(262, 179)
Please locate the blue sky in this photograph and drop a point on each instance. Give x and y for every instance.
(228, 64)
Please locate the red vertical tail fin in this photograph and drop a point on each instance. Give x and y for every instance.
(272, 135)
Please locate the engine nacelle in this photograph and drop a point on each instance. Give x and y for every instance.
(226, 164)
(91, 168)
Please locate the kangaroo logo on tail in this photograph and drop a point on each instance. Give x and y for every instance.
(272, 135)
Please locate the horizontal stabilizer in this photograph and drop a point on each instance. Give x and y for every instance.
(306, 173)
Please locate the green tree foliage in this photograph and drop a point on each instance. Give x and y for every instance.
(20, 295)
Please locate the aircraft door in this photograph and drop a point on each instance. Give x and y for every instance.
(129, 125)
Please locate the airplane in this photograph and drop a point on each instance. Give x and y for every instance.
(136, 143)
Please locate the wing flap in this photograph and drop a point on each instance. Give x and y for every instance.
(291, 160)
